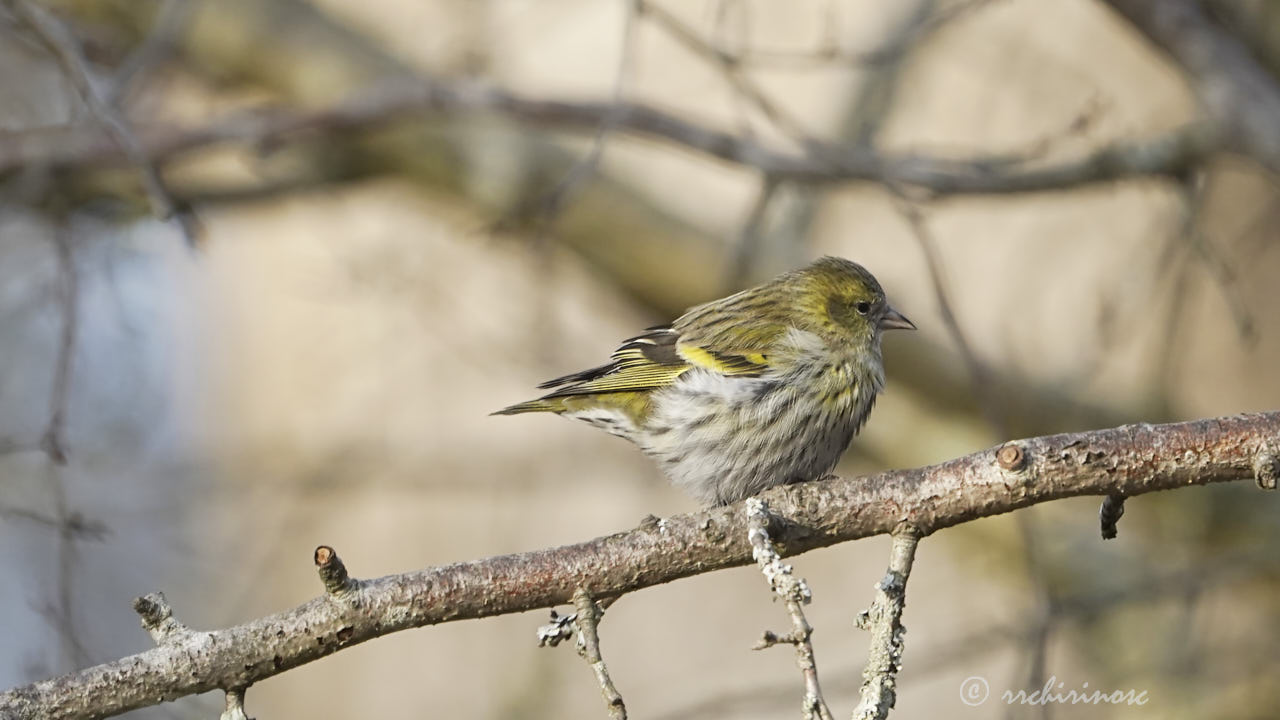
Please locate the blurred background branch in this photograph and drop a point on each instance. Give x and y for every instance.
(1237, 91)
(409, 212)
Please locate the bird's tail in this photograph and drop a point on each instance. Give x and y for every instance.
(539, 405)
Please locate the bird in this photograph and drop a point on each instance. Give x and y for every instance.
(762, 388)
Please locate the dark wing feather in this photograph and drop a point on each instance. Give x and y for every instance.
(644, 362)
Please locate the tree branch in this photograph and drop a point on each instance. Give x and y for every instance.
(1236, 90)
(66, 49)
(53, 440)
(1168, 154)
(884, 620)
(795, 594)
(1130, 460)
(587, 619)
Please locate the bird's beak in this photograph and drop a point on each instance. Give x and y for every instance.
(894, 320)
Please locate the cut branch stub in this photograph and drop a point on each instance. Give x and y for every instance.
(332, 572)
(157, 617)
(1109, 514)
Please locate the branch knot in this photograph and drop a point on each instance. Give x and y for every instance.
(1011, 456)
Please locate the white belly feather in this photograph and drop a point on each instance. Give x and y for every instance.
(723, 438)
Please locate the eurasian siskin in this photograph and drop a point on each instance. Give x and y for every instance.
(765, 387)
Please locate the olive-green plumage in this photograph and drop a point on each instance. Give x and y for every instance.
(761, 388)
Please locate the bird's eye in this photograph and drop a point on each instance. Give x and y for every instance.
(863, 307)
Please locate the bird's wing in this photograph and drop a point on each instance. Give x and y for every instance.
(655, 359)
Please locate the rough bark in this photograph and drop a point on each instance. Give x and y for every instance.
(1129, 460)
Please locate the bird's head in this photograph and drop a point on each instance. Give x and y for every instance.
(847, 301)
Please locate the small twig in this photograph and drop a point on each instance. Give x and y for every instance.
(732, 71)
(1077, 126)
(81, 527)
(157, 618)
(1010, 456)
(1175, 263)
(235, 706)
(1261, 231)
(71, 525)
(170, 19)
(1215, 262)
(829, 52)
(725, 11)
(53, 441)
(872, 102)
(587, 622)
(983, 388)
(746, 253)
(332, 572)
(795, 593)
(1043, 619)
(66, 49)
(1109, 514)
(1139, 593)
(584, 624)
(545, 208)
(884, 620)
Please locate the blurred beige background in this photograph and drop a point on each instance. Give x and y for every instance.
(321, 368)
